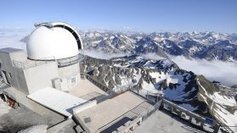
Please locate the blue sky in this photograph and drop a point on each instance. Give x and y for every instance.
(135, 15)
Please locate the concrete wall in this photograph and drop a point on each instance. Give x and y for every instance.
(50, 116)
(20, 97)
(97, 83)
(40, 76)
(25, 79)
(19, 81)
(69, 70)
(18, 55)
(13, 76)
(69, 77)
(84, 106)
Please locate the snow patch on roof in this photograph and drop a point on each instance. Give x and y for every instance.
(56, 100)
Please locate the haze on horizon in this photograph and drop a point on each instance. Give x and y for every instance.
(146, 16)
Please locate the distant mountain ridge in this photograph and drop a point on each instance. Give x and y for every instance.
(193, 92)
(203, 45)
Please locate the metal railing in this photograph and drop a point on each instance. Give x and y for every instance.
(178, 110)
(69, 61)
(97, 83)
(150, 96)
(61, 62)
(143, 116)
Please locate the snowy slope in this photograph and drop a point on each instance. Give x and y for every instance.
(190, 91)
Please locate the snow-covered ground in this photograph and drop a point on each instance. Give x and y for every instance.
(4, 108)
(101, 54)
(220, 104)
(149, 87)
(230, 119)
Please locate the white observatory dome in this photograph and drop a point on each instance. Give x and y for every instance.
(53, 41)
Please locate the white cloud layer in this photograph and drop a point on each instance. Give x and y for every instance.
(12, 37)
(102, 55)
(152, 56)
(225, 72)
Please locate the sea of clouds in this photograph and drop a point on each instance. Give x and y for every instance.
(12, 37)
(225, 72)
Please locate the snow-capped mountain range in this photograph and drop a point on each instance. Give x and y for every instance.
(185, 88)
(193, 92)
(203, 45)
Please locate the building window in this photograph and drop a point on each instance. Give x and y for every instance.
(73, 80)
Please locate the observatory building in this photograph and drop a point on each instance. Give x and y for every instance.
(52, 56)
(47, 78)
(50, 67)
(60, 43)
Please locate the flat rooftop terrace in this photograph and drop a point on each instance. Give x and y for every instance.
(125, 107)
(86, 90)
(162, 122)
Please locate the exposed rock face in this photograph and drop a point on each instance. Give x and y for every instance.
(190, 91)
(206, 45)
(223, 50)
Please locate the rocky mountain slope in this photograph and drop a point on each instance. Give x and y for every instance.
(204, 45)
(191, 91)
